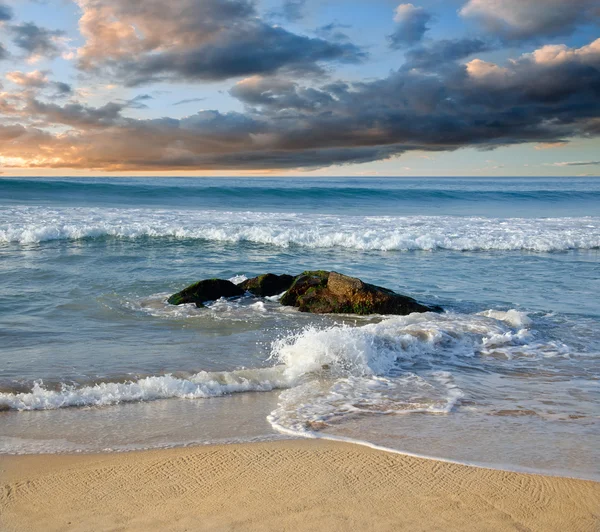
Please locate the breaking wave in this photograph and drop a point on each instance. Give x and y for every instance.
(201, 385)
(28, 225)
(333, 371)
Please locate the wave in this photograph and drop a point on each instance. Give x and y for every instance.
(372, 370)
(201, 385)
(377, 348)
(207, 191)
(27, 225)
(335, 370)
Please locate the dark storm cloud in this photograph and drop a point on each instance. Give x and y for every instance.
(550, 95)
(439, 53)
(518, 20)
(279, 94)
(259, 49)
(77, 115)
(6, 13)
(36, 40)
(411, 25)
(139, 42)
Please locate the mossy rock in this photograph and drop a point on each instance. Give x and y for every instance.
(268, 284)
(207, 290)
(307, 283)
(318, 291)
(322, 292)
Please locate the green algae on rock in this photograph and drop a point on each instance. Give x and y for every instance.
(268, 284)
(322, 292)
(207, 290)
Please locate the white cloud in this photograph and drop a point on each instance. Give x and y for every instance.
(486, 72)
(560, 53)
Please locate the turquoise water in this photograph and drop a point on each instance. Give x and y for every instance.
(92, 357)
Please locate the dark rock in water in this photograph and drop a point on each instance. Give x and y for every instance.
(208, 290)
(306, 287)
(268, 284)
(323, 292)
(319, 292)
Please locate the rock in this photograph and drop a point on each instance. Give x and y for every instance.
(208, 290)
(319, 292)
(304, 285)
(268, 284)
(323, 292)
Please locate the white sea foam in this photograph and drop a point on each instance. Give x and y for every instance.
(26, 225)
(337, 369)
(243, 309)
(200, 385)
(376, 348)
(370, 369)
(315, 405)
(512, 317)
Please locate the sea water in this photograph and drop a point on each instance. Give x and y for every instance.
(93, 358)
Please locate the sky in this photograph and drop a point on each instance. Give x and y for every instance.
(300, 87)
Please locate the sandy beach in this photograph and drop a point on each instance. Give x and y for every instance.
(285, 485)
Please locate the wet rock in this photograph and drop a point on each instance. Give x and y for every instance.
(304, 286)
(207, 290)
(323, 292)
(318, 292)
(268, 284)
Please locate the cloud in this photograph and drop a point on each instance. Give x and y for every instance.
(279, 94)
(6, 13)
(62, 89)
(439, 53)
(138, 101)
(578, 163)
(551, 145)
(139, 42)
(31, 79)
(557, 54)
(332, 32)
(189, 100)
(527, 19)
(550, 73)
(411, 25)
(293, 10)
(487, 73)
(36, 81)
(37, 41)
(535, 98)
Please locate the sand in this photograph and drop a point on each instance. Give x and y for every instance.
(284, 485)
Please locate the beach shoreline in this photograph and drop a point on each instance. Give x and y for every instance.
(283, 485)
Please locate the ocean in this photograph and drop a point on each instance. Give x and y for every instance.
(92, 358)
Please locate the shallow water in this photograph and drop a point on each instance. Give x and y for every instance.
(93, 358)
